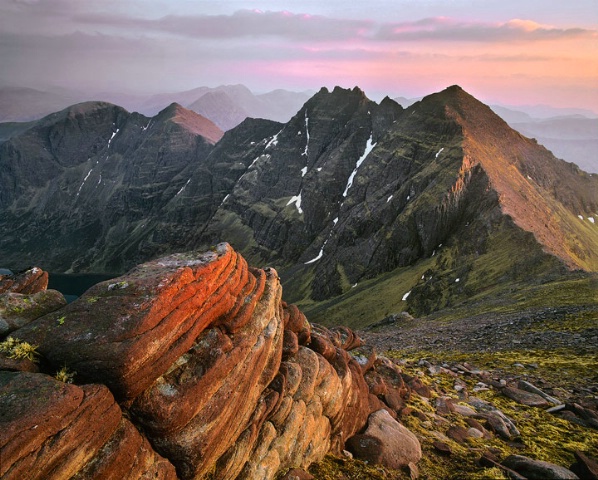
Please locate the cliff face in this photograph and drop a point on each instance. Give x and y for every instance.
(92, 175)
(347, 191)
(197, 351)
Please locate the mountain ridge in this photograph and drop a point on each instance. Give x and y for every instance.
(344, 192)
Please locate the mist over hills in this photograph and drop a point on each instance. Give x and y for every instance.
(226, 105)
(419, 208)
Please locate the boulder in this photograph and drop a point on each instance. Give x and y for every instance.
(223, 378)
(30, 281)
(19, 309)
(53, 430)
(525, 398)
(537, 469)
(386, 441)
(197, 409)
(585, 467)
(127, 332)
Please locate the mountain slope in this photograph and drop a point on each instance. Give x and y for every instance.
(420, 208)
(80, 184)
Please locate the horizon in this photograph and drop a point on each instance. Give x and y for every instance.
(505, 53)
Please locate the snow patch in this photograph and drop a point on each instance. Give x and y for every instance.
(319, 169)
(148, 125)
(296, 199)
(307, 134)
(389, 198)
(591, 219)
(100, 180)
(406, 295)
(369, 146)
(303, 171)
(580, 217)
(113, 135)
(439, 152)
(83, 182)
(457, 280)
(273, 141)
(224, 200)
(408, 197)
(182, 188)
(320, 255)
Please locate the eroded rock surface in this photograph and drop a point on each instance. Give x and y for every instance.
(50, 429)
(219, 377)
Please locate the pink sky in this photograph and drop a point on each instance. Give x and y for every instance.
(524, 52)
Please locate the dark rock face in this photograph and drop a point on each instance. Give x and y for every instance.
(343, 192)
(220, 375)
(92, 175)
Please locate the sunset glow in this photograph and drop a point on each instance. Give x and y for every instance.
(507, 52)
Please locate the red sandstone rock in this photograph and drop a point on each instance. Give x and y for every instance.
(193, 346)
(18, 309)
(387, 442)
(31, 281)
(127, 332)
(52, 430)
(201, 405)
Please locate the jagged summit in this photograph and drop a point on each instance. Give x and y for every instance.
(346, 191)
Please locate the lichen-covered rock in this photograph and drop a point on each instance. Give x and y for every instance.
(51, 430)
(127, 332)
(18, 309)
(537, 469)
(30, 281)
(223, 378)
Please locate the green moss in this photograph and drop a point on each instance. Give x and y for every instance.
(337, 468)
(369, 301)
(543, 436)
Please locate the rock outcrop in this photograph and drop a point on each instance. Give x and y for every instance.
(24, 297)
(219, 378)
(52, 429)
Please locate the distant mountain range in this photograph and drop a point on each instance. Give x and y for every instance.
(226, 106)
(353, 202)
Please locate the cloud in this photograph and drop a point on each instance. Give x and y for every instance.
(304, 27)
(241, 24)
(448, 29)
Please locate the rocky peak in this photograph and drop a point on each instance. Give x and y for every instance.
(530, 182)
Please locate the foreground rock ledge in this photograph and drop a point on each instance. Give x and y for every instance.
(216, 375)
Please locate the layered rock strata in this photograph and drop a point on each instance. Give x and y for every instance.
(217, 376)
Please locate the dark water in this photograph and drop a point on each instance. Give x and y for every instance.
(73, 286)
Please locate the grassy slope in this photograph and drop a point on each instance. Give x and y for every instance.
(510, 275)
